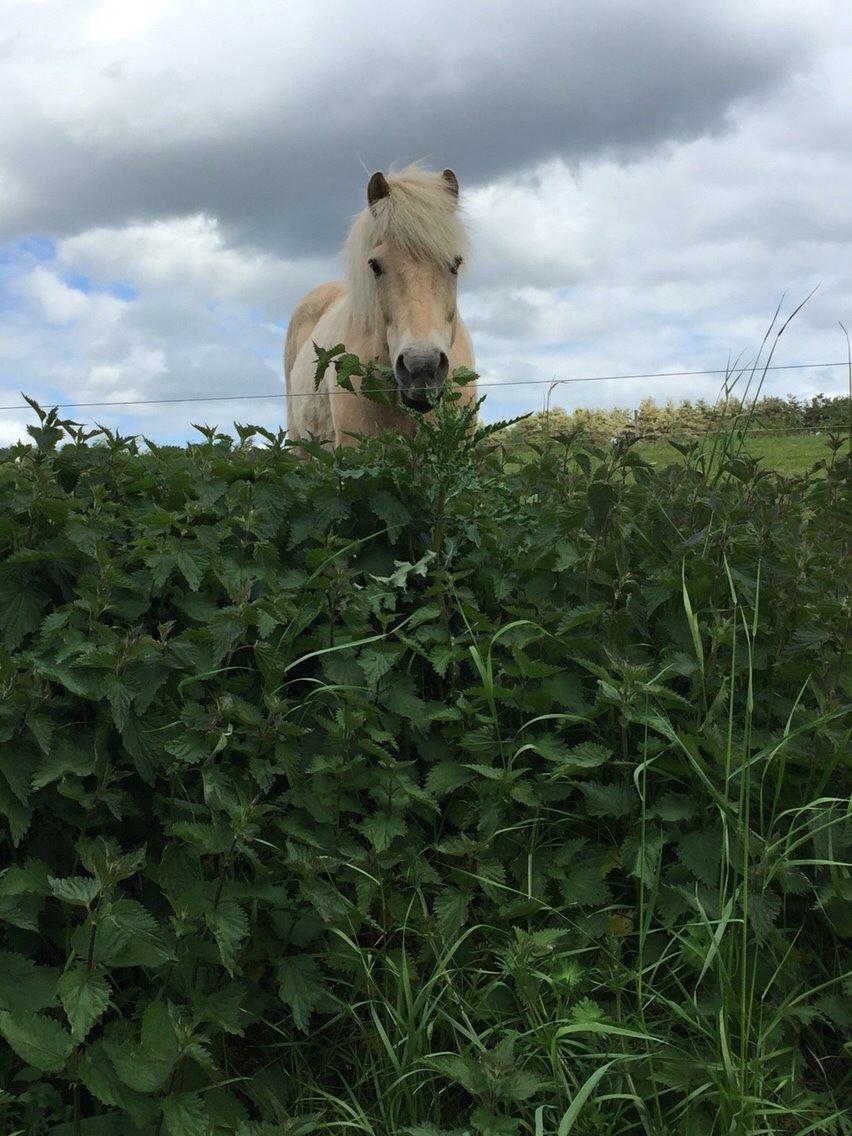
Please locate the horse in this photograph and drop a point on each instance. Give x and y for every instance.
(397, 306)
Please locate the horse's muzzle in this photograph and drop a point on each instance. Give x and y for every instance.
(420, 372)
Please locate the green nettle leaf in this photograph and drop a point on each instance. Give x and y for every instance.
(607, 800)
(17, 766)
(701, 852)
(22, 605)
(433, 1130)
(66, 757)
(673, 807)
(191, 562)
(602, 497)
(158, 1034)
(139, 1069)
(40, 1041)
(641, 856)
(447, 776)
(143, 940)
(376, 664)
(466, 1071)
(451, 910)
(400, 697)
(230, 927)
(96, 1071)
(186, 1115)
(19, 816)
(84, 996)
(390, 510)
(209, 838)
(79, 891)
(584, 886)
(487, 1123)
(301, 987)
(381, 828)
(763, 911)
(227, 1008)
(324, 357)
(30, 878)
(24, 986)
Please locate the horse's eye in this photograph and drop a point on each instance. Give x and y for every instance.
(376, 267)
(454, 267)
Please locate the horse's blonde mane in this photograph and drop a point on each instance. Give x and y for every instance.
(420, 216)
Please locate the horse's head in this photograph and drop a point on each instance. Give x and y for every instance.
(412, 247)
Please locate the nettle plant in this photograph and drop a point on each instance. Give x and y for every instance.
(401, 789)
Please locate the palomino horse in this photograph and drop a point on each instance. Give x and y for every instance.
(397, 306)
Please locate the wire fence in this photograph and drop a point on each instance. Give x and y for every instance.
(480, 383)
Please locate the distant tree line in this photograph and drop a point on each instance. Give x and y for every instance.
(650, 420)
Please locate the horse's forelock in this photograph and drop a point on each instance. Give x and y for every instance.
(419, 215)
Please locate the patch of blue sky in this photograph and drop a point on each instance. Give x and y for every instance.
(560, 346)
(121, 289)
(34, 249)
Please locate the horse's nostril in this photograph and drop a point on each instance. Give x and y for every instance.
(400, 364)
(443, 366)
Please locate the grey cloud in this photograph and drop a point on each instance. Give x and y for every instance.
(533, 83)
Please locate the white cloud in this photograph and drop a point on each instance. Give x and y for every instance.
(13, 430)
(192, 256)
(57, 302)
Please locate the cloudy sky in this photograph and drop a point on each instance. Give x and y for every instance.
(642, 183)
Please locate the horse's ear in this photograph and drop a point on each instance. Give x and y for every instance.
(377, 188)
(452, 182)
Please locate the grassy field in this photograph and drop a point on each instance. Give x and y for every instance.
(790, 454)
(404, 791)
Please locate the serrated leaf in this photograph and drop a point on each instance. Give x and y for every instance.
(65, 758)
(19, 816)
(376, 664)
(84, 996)
(230, 927)
(607, 800)
(400, 698)
(137, 1068)
(446, 776)
(40, 1041)
(22, 606)
(158, 1037)
(602, 497)
(142, 747)
(451, 911)
(79, 891)
(466, 1071)
(186, 1115)
(191, 563)
(701, 852)
(24, 986)
(673, 807)
(30, 878)
(226, 1008)
(17, 765)
(392, 511)
(381, 828)
(301, 987)
(96, 1071)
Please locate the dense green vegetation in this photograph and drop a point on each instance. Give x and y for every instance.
(409, 790)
